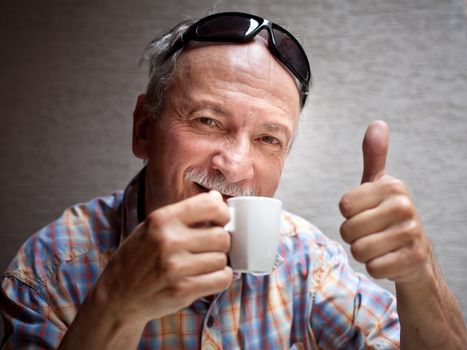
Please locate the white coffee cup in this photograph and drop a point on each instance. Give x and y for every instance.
(255, 229)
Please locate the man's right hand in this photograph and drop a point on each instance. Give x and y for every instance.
(171, 259)
(166, 263)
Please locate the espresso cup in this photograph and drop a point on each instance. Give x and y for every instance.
(255, 229)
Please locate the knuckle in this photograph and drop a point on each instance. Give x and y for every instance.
(224, 240)
(412, 227)
(373, 270)
(416, 256)
(170, 272)
(171, 266)
(157, 239)
(172, 243)
(220, 261)
(411, 231)
(219, 238)
(345, 232)
(403, 206)
(345, 205)
(164, 241)
(158, 219)
(357, 249)
(394, 186)
(226, 277)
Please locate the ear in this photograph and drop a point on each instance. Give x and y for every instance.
(141, 124)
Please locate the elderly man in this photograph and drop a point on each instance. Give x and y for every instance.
(142, 269)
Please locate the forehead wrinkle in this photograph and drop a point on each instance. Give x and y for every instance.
(241, 69)
(253, 70)
(258, 75)
(254, 66)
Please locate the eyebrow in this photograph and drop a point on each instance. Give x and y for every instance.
(218, 109)
(268, 126)
(278, 127)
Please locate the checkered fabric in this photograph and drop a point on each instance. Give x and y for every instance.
(311, 300)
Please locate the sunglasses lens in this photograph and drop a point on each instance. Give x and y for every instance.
(291, 53)
(241, 27)
(227, 27)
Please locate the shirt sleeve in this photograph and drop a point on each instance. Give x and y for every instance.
(349, 310)
(29, 321)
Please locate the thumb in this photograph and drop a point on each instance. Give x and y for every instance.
(375, 149)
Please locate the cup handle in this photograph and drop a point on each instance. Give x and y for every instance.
(230, 226)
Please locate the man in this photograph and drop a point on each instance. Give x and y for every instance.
(143, 268)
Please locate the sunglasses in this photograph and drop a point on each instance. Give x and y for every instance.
(239, 27)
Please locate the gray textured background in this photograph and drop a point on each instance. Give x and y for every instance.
(69, 80)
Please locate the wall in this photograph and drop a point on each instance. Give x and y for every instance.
(69, 79)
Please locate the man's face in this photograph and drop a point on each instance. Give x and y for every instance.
(227, 123)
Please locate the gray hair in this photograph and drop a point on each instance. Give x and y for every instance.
(161, 66)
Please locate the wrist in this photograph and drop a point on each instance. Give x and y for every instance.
(113, 311)
(429, 313)
(100, 324)
(426, 276)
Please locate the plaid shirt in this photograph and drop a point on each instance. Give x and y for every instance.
(311, 300)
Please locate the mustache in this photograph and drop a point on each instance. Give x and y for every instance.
(216, 181)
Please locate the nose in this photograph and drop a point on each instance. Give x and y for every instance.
(234, 160)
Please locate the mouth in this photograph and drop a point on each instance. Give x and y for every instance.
(202, 189)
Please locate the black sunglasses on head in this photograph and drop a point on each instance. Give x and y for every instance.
(238, 27)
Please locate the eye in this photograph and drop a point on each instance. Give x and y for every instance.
(271, 140)
(207, 121)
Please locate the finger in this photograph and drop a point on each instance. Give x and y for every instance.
(375, 149)
(402, 265)
(371, 194)
(393, 265)
(386, 266)
(212, 239)
(390, 211)
(211, 283)
(205, 207)
(185, 290)
(180, 266)
(361, 198)
(381, 243)
(363, 224)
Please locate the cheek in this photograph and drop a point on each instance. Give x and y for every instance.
(195, 148)
(183, 152)
(268, 175)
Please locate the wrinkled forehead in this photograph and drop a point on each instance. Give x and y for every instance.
(261, 39)
(252, 58)
(223, 52)
(247, 65)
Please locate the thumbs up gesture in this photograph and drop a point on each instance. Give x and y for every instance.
(382, 225)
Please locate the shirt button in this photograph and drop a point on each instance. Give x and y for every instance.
(210, 321)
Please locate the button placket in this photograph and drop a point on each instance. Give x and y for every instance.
(211, 335)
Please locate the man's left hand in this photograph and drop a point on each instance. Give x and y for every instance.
(382, 224)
